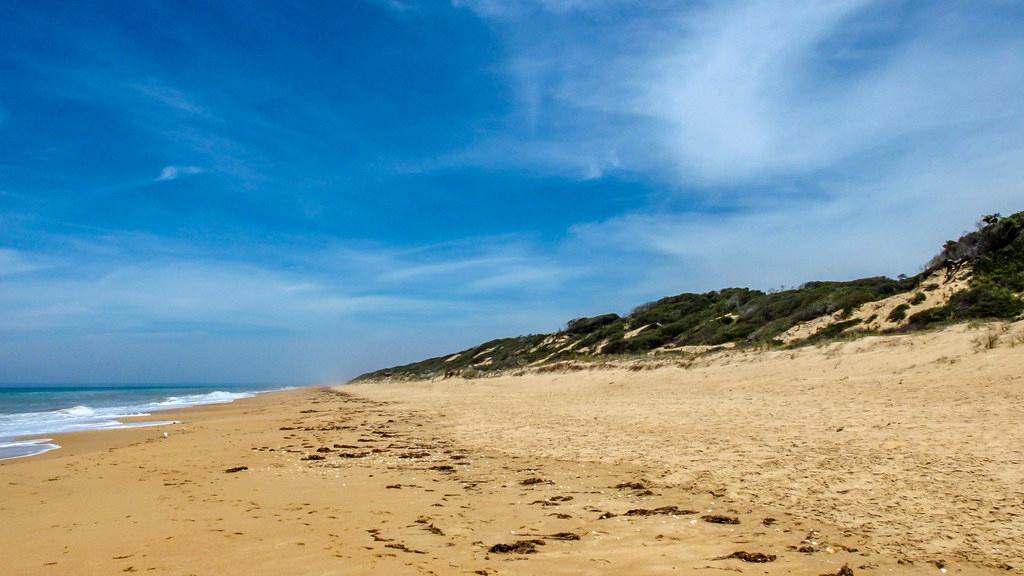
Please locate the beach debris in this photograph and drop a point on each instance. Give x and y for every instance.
(719, 519)
(429, 526)
(517, 547)
(403, 548)
(754, 557)
(844, 571)
(552, 501)
(353, 454)
(810, 544)
(236, 469)
(564, 536)
(534, 481)
(661, 511)
(644, 512)
(166, 435)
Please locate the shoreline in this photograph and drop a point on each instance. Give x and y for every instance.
(151, 419)
(152, 426)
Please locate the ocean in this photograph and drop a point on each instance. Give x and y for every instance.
(54, 408)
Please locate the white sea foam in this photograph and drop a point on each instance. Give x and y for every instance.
(80, 418)
(215, 397)
(23, 448)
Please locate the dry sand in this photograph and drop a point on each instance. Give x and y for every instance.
(896, 455)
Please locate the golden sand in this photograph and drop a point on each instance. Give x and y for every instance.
(894, 455)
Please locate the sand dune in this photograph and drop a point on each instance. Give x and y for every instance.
(915, 442)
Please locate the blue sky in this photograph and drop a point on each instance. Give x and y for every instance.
(298, 192)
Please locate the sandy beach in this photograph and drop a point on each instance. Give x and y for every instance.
(892, 455)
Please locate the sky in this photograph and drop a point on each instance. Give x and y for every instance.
(297, 192)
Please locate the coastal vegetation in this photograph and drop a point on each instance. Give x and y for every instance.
(991, 257)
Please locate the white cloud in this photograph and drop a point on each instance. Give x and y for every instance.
(174, 172)
(733, 93)
(397, 6)
(891, 223)
(802, 140)
(756, 91)
(167, 96)
(533, 276)
(208, 296)
(514, 8)
(13, 263)
(135, 283)
(136, 307)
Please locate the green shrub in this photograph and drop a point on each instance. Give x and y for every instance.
(986, 301)
(995, 253)
(930, 316)
(898, 313)
(587, 325)
(834, 330)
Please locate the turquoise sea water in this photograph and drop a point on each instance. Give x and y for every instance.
(36, 410)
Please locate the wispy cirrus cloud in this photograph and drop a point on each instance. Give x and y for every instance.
(122, 291)
(174, 172)
(13, 262)
(396, 6)
(734, 93)
(846, 121)
(137, 284)
(168, 96)
(512, 9)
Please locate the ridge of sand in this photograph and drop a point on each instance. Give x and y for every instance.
(915, 441)
(934, 291)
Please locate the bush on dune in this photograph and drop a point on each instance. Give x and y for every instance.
(995, 252)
